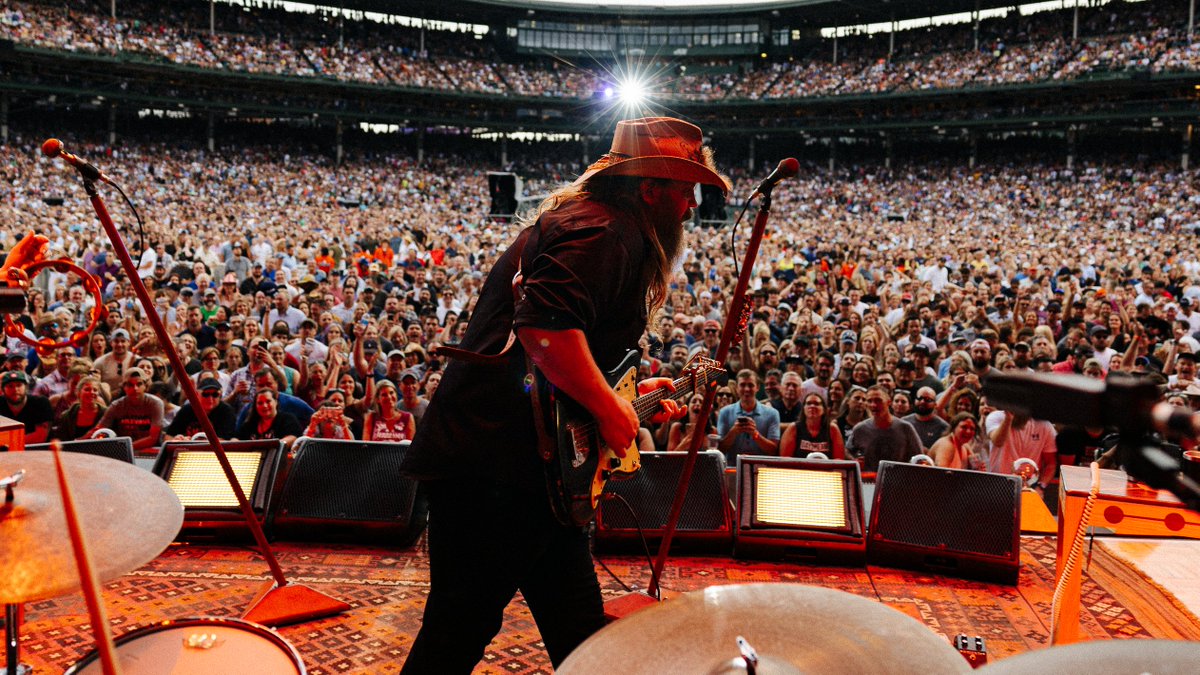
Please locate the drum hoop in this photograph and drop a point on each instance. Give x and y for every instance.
(249, 626)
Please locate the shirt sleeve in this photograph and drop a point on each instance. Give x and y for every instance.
(993, 421)
(106, 419)
(576, 270)
(914, 441)
(772, 431)
(724, 421)
(1049, 440)
(156, 411)
(287, 425)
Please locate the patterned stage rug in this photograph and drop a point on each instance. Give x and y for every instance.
(387, 590)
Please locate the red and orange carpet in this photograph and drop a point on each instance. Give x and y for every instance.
(387, 589)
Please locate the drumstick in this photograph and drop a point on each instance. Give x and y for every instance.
(87, 575)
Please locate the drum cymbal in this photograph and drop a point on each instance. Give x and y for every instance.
(794, 629)
(1105, 657)
(128, 516)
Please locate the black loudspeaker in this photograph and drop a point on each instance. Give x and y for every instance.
(946, 521)
(706, 522)
(349, 491)
(210, 509)
(712, 204)
(503, 189)
(119, 448)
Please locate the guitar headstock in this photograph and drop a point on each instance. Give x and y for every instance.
(703, 369)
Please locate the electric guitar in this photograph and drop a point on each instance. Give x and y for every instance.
(583, 463)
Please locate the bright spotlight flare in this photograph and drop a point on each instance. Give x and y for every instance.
(788, 168)
(53, 148)
(632, 92)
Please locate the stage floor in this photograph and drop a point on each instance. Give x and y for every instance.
(386, 589)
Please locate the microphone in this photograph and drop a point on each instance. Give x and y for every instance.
(1166, 417)
(53, 148)
(787, 168)
(1126, 402)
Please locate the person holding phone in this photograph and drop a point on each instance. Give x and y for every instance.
(747, 427)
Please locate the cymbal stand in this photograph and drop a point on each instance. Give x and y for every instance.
(11, 649)
(12, 613)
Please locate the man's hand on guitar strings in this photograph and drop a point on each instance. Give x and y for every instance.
(618, 424)
(671, 410)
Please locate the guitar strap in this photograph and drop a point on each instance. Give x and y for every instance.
(546, 445)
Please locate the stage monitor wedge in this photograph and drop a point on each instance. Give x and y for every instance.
(339, 491)
(210, 509)
(119, 448)
(946, 521)
(706, 523)
(803, 510)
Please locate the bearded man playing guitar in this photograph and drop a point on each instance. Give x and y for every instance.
(569, 297)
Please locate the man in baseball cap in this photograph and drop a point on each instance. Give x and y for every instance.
(35, 412)
(112, 365)
(137, 414)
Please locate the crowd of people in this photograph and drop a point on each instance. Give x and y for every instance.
(1148, 37)
(879, 295)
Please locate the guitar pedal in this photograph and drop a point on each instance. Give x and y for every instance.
(973, 649)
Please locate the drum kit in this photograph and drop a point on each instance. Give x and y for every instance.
(128, 517)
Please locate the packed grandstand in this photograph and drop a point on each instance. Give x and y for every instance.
(1144, 36)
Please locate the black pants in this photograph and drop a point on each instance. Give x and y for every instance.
(485, 544)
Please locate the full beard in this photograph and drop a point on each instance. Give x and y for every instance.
(670, 237)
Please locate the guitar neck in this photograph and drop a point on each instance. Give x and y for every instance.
(647, 406)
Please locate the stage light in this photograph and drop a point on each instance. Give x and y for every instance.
(199, 482)
(210, 509)
(800, 508)
(608, 92)
(632, 92)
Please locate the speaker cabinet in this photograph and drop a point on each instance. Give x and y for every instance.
(946, 521)
(504, 189)
(712, 205)
(119, 448)
(349, 491)
(644, 500)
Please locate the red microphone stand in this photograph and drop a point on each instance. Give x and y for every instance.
(277, 603)
(735, 326)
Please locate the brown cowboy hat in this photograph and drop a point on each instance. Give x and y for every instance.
(658, 147)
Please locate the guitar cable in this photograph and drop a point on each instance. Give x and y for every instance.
(610, 496)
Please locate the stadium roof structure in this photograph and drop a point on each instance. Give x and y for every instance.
(794, 12)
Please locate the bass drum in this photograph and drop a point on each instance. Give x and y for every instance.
(200, 646)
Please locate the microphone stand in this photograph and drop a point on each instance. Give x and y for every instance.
(736, 321)
(276, 603)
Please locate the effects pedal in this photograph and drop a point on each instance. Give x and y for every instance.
(973, 649)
